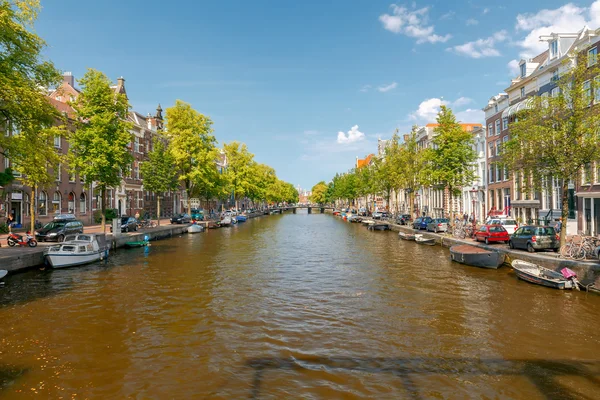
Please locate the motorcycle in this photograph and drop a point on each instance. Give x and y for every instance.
(13, 239)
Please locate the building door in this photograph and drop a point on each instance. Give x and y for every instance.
(16, 210)
(587, 214)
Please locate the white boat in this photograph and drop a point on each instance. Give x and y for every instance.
(77, 250)
(3, 273)
(195, 228)
(226, 221)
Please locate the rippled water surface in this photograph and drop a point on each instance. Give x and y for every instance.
(293, 306)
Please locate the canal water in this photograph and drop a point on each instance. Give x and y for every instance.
(293, 307)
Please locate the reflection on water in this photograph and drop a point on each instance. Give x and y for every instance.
(293, 306)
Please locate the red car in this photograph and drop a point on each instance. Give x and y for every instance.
(492, 233)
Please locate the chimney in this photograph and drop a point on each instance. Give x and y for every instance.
(121, 81)
(68, 78)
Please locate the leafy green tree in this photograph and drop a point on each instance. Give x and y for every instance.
(240, 169)
(558, 136)
(263, 178)
(412, 165)
(158, 173)
(192, 145)
(23, 73)
(451, 156)
(34, 156)
(319, 193)
(98, 148)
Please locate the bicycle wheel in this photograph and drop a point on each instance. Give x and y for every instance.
(577, 253)
(565, 251)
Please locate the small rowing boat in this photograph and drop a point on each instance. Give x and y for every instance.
(379, 226)
(476, 256)
(406, 236)
(539, 275)
(423, 240)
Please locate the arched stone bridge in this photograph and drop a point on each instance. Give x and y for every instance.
(309, 208)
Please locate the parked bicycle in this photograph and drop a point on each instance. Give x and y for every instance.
(579, 247)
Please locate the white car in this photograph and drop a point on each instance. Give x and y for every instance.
(508, 223)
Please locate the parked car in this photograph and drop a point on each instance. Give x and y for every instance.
(385, 214)
(128, 224)
(508, 223)
(403, 219)
(438, 225)
(422, 222)
(197, 215)
(58, 229)
(362, 212)
(492, 233)
(182, 218)
(376, 215)
(532, 238)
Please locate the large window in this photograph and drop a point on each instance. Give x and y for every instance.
(497, 127)
(499, 173)
(491, 150)
(523, 70)
(597, 89)
(587, 174)
(57, 141)
(57, 172)
(136, 144)
(553, 49)
(42, 203)
(555, 92)
(523, 92)
(71, 204)
(56, 202)
(82, 204)
(587, 91)
(504, 123)
(490, 130)
(592, 56)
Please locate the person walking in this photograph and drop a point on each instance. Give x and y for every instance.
(9, 221)
(558, 226)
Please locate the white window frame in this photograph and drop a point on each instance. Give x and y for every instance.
(497, 127)
(592, 56)
(490, 129)
(57, 142)
(523, 68)
(554, 49)
(523, 91)
(504, 123)
(57, 173)
(597, 89)
(555, 92)
(491, 149)
(587, 91)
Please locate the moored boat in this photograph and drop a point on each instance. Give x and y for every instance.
(3, 273)
(139, 243)
(406, 236)
(476, 256)
(423, 240)
(367, 221)
(539, 275)
(195, 228)
(226, 221)
(379, 226)
(241, 218)
(77, 250)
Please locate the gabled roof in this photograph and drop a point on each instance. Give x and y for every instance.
(364, 162)
(62, 107)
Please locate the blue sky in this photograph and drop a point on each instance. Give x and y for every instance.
(308, 85)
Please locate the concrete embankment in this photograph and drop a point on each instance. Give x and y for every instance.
(15, 259)
(587, 272)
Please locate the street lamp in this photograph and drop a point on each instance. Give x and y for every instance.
(474, 193)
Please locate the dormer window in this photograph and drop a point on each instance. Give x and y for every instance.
(555, 76)
(553, 49)
(496, 108)
(523, 92)
(592, 56)
(523, 70)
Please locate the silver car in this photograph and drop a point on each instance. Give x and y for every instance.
(438, 225)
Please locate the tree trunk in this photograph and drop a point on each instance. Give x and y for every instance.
(411, 205)
(189, 204)
(565, 212)
(158, 210)
(32, 208)
(103, 209)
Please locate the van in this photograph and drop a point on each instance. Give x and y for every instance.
(56, 230)
(509, 224)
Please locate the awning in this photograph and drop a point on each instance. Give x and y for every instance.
(515, 108)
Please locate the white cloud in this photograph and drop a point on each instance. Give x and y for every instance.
(366, 88)
(354, 135)
(472, 21)
(565, 19)
(513, 67)
(485, 11)
(428, 109)
(387, 88)
(412, 24)
(448, 15)
(481, 47)
(470, 116)
(461, 101)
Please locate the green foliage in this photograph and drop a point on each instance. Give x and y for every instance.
(6, 177)
(110, 213)
(240, 169)
(452, 155)
(319, 193)
(557, 136)
(3, 228)
(158, 173)
(193, 147)
(23, 72)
